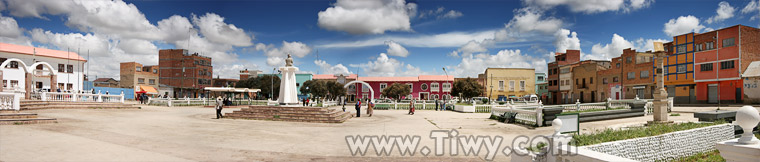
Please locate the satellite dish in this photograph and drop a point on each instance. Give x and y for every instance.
(658, 47)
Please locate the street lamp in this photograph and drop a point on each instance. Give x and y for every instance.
(271, 92)
(447, 82)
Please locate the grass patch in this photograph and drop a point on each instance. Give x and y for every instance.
(609, 135)
(712, 156)
(540, 146)
(675, 114)
(591, 110)
(464, 104)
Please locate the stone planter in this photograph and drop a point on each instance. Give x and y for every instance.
(463, 108)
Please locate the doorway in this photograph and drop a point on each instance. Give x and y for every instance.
(712, 93)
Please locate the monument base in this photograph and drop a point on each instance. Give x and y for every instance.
(295, 113)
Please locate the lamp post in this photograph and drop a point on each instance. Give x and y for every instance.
(447, 82)
(271, 92)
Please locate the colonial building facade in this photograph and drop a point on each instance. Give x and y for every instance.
(26, 68)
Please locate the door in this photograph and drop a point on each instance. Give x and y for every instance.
(593, 96)
(617, 95)
(712, 93)
(581, 97)
(738, 95)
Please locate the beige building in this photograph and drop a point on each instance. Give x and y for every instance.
(504, 83)
(138, 77)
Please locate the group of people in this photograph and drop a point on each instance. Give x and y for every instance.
(305, 101)
(411, 106)
(370, 107)
(142, 98)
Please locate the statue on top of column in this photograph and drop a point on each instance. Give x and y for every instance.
(289, 61)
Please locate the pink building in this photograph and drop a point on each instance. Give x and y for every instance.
(428, 87)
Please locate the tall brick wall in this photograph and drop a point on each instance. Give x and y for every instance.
(750, 46)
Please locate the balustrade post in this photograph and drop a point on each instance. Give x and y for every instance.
(578, 105)
(540, 115)
(43, 96)
(122, 97)
(100, 97)
(16, 101)
(609, 103)
(169, 102)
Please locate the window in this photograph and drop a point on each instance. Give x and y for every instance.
(604, 80)
(522, 85)
(501, 85)
(591, 80)
(141, 80)
(137, 68)
(70, 68)
(644, 74)
(155, 71)
(699, 47)
(728, 42)
(709, 45)
(434, 87)
(61, 68)
(576, 81)
(727, 65)
(39, 67)
(617, 65)
(382, 86)
(447, 87)
(14, 83)
(681, 49)
(681, 69)
(540, 78)
(631, 75)
(615, 79)
(706, 67)
(511, 85)
(152, 81)
(366, 89)
(69, 86)
(628, 60)
(565, 70)
(5, 83)
(423, 87)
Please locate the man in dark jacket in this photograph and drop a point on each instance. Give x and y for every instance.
(358, 108)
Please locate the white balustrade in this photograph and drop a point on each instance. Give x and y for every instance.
(80, 97)
(9, 101)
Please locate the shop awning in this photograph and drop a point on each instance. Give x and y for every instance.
(148, 89)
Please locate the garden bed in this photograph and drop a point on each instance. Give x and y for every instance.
(609, 135)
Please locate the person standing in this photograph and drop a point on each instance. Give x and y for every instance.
(343, 100)
(436, 104)
(358, 108)
(219, 105)
(370, 107)
(411, 107)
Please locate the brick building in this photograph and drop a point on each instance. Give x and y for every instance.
(186, 73)
(611, 84)
(679, 68)
(245, 74)
(139, 77)
(637, 74)
(586, 80)
(221, 82)
(106, 82)
(721, 57)
(559, 75)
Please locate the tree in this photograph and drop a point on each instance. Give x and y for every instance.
(335, 89)
(468, 88)
(316, 88)
(396, 91)
(264, 83)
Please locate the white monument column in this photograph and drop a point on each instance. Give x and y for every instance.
(288, 91)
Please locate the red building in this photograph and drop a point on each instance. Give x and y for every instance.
(721, 57)
(553, 75)
(186, 73)
(428, 87)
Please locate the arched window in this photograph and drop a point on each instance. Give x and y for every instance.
(424, 87)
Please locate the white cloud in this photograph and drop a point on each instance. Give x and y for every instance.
(330, 69)
(608, 51)
(213, 27)
(276, 56)
(440, 13)
(367, 16)
(564, 40)
(176, 28)
(472, 66)
(642, 44)
(450, 39)
(682, 25)
(2, 5)
(10, 32)
(395, 49)
(452, 14)
(386, 66)
(592, 6)
(531, 19)
(724, 12)
(138, 46)
(752, 6)
(471, 47)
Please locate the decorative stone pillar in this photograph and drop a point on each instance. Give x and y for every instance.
(660, 94)
(53, 82)
(28, 85)
(1, 78)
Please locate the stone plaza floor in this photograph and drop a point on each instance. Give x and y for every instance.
(192, 134)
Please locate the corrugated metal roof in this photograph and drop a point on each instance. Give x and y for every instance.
(753, 70)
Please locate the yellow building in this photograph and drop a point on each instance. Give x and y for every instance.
(504, 83)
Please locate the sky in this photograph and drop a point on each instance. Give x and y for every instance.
(365, 37)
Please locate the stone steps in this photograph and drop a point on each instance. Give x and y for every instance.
(18, 116)
(293, 114)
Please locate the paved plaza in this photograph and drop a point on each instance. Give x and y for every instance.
(192, 134)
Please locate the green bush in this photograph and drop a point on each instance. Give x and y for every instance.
(675, 114)
(712, 156)
(609, 135)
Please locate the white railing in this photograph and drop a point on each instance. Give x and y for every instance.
(171, 102)
(10, 101)
(80, 97)
(525, 115)
(404, 105)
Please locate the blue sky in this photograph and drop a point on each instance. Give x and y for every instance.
(368, 37)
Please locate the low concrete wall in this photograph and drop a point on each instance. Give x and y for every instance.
(667, 146)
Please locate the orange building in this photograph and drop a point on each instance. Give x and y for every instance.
(679, 68)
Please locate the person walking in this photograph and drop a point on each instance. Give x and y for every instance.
(370, 107)
(343, 100)
(358, 108)
(411, 107)
(219, 106)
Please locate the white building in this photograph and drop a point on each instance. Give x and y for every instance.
(20, 62)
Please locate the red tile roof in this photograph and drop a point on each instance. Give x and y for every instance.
(29, 50)
(331, 76)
